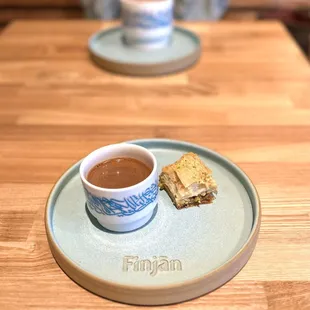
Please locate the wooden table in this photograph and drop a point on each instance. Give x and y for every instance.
(248, 98)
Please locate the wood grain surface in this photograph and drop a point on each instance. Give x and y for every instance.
(247, 98)
(40, 3)
(266, 3)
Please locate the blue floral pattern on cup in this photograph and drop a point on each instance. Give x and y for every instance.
(125, 207)
(148, 20)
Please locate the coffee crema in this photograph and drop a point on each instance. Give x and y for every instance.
(118, 172)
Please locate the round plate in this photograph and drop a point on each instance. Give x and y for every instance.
(179, 255)
(108, 50)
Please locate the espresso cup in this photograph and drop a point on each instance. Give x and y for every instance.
(121, 209)
(147, 24)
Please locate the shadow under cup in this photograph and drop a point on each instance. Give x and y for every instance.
(123, 209)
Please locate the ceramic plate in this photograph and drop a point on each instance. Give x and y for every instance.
(178, 255)
(107, 49)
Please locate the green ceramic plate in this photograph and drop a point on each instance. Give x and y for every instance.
(178, 255)
(108, 51)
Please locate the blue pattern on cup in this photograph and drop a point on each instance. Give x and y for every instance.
(125, 207)
(148, 20)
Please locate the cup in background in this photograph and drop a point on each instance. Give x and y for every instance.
(147, 24)
(122, 209)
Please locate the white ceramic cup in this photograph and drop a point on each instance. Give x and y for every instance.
(121, 209)
(147, 24)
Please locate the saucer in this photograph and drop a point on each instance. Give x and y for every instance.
(178, 255)
(108, 50)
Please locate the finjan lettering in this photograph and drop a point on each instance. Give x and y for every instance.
(151, 266)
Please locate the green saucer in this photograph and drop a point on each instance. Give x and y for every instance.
(178, 255)
(108, 50)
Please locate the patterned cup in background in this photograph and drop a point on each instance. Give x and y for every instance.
(147, 24)
(121, 209)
